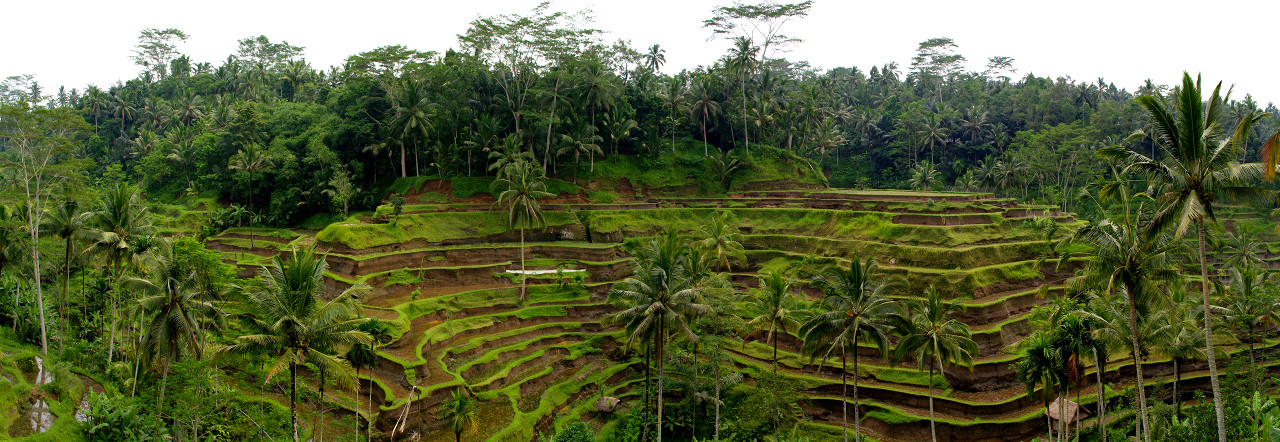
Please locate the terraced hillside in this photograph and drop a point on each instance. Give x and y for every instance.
(441, 281)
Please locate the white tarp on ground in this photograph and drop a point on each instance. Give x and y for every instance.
(544, 272)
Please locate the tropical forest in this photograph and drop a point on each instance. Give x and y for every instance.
(540, 234)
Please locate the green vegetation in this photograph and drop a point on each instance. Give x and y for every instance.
(255, 249)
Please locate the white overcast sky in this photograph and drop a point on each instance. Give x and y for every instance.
(74, 43)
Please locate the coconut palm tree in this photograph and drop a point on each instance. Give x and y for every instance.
(174, 305)
(855, 308)
(1181, 339)
(520, 192)
(70, 224)
(410, 118)
(933, 134)
(722, 239)
(703, 108)
(288, 321)
(674, 97)
(1250, 307)
(655, 58)
(1197, 168)
(460, 412)
(251, 158)
(924, 176)
(742, 61)
(775, 309)
(121, 222)
(660, 299)
(582, 140)
(362, 356)
(1129, 261)
(933, 335)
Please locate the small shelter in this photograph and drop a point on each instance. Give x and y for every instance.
(1072, 410)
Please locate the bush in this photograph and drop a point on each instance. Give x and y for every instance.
(576, 432)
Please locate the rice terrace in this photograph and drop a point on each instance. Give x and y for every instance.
(535, 233)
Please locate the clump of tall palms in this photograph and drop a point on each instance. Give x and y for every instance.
(122, 227)
(1197, 168)
(174, 307)
(660, 300)
(855, 308)
(935, 338)
(289, 322)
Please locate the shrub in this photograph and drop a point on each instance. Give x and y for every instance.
(576, 432)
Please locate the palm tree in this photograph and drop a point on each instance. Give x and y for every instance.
(1073, 338)
(776, 310)
(932, 134)
(856, 309)
(460, 412)
(936, 339)
(120, 222)
(619, 128)
(362, 356)
(583, 140)
(1130, 262)
(674, 97)
(1241, 248)
(1040, 363)
(171, 298)
(410, 117)
(924, 176)
(122, 110)
(70, 224)
(655, 58)
(704, 107)
(1198, 166)
(662, 298)
(288, 322)
(249, 159)
(722, 165)
(520, 192)
(1181, 339)
(722, 239)
(742, 60)
(1251, 307)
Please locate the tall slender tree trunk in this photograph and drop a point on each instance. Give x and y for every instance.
(717, 365)
(746, 133)
(673, 130)
(704, 137)
(115, 292)
(320, 406)
(775, 353)
(844, 405)
(1208, 339)
(1062, 417)
(1177, 376)
(357, 395)
(1102, 395)
(648, 394)
(35, 272)
(857, 422)
(546, 153)
(933, 427)
(404, 170)
(661, 371)
(164, 382)
(293, 400)
(62, 303)
(1137, 365)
